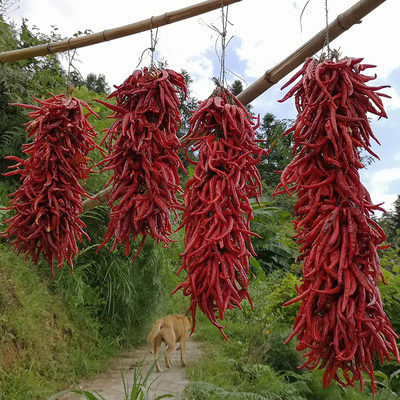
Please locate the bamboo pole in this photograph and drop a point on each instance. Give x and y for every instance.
(115, 33)
(342, 23)
(97, 199)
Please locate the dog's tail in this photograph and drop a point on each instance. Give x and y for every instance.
(154, 331)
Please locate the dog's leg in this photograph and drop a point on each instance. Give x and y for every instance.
(183, 348)
(170, 348)
(157, 346)
(170, 341)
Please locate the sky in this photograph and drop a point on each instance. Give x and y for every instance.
(262, 33)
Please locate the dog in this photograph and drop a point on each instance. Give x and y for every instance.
(171, 329)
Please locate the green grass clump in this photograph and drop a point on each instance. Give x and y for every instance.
(41, 345)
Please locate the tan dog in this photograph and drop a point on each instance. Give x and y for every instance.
(171, 329)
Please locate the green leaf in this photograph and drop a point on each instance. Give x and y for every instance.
(89, 395)
(381, 375)
(254, 262)
(190, 169)
(396, 374)
(264, 202)
(55, 396)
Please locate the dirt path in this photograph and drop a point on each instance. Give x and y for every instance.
(169, 381)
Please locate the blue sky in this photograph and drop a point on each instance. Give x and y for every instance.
(264, 33)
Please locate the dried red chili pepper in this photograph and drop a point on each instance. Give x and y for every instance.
(48, 202)
(341, 320)
(143, 145)
(217, 209)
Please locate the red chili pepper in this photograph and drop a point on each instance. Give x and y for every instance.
(143, 147)
(217, 209)
(49, 200)
(338, 238)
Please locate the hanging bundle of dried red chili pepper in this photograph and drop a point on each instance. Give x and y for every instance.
(218, 212)
(143, 156)
(49, 201)
(341, 319)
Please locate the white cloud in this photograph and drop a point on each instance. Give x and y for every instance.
(387, 200)
(379, 186)
(385, 176)
(394, 102)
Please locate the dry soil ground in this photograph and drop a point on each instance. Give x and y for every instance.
(170, 381)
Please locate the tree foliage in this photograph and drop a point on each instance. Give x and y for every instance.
(271, 130)
(390, 222)
(20, 81)
(275, 249)
(93, 82)
(236, 87)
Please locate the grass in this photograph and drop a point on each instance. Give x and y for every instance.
(39, 339)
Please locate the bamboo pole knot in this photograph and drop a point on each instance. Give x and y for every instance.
(167, 18)
(268, 77)
(341, 23)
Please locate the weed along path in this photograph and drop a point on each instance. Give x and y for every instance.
(109, 383)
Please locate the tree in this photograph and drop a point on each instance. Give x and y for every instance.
(396, 213)
(96, 83)
(6, 6)
(20, 82)
(390, 223)
(188, 104)
(275, 249)
(237, 88)
(281, 153)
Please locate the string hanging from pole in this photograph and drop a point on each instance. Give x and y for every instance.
(70, 87)
(153, 40)
(221, 81)
(326, 44)
(152, 48)
(224, 19)
(69, 68)
(329, 53)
